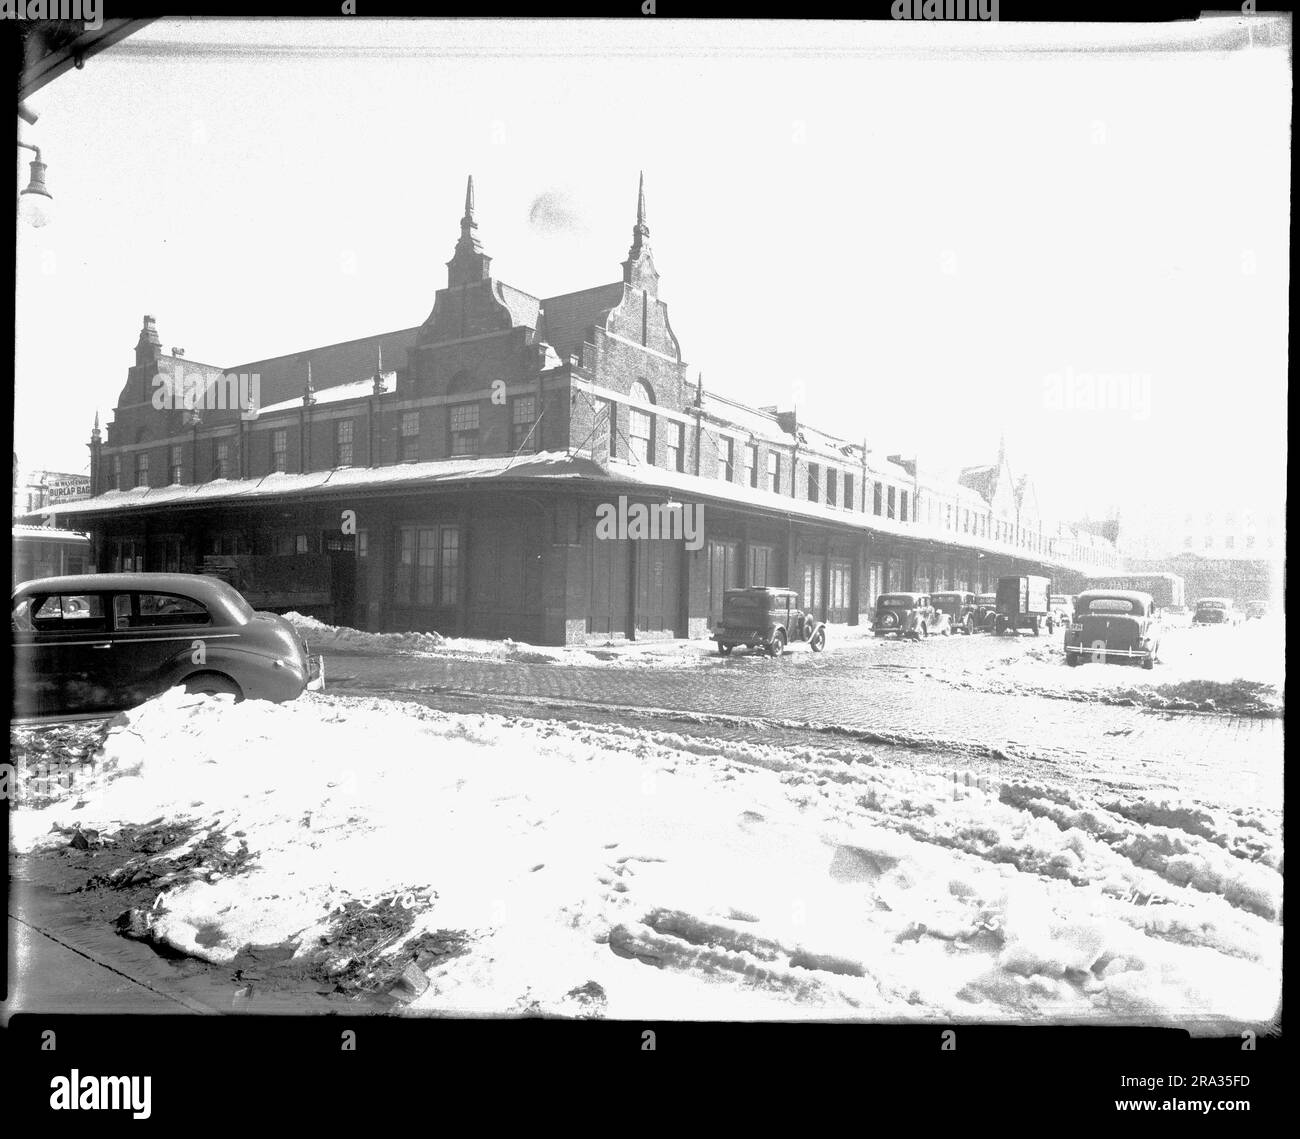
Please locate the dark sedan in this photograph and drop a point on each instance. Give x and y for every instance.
(98, 643)
(1113, 625)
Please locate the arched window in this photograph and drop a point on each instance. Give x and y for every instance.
(643, 392)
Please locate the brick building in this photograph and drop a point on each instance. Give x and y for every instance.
(449, 476)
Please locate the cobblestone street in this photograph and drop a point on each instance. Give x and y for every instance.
(877, 694)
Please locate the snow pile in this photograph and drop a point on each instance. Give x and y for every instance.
(629, 874)
(1210, 668)
(321, 636)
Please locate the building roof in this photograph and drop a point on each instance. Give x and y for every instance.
(618, 476)
(569, 317)
(48, 533)
(524, 308)
(338, 393)
(285, 377)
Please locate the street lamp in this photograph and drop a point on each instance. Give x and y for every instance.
(34, 201)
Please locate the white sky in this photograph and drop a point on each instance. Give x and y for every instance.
(919, 237)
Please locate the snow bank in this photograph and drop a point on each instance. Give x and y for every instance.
(629, 874)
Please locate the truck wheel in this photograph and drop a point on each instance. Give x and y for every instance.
(818, 641)
(776, 646)
(1072, 659)
(724, 650)
(1148, 662)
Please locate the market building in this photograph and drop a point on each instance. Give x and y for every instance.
(454, 476)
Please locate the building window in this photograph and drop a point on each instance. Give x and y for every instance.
(177, 472)
(300, 544)
(902, 506)
(523, 419)
(832, 487)
(849, 503)
(363, 543)
(611, 410)
(814, 483)
(1229, 542)
(726, 458)
(464, 429)
(117, 472)
(774, 472)
(221, 461)
(410, 436)
(965, 521)
(1209, 541)
(428, 565)
(142, 469)
(673, 434)
(343, 443)
(751, 464)
(875, 499)
(892, 511)
(641, 434)
(947, 516)
(280, 449)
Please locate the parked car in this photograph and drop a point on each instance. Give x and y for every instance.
(765, 617)
(908, 615)
(1257, 610)
(1113, 625)
(1023, 604)
(960, 608)
(1215, 611)
(986, 611)
(1062, 607)
(99, 643)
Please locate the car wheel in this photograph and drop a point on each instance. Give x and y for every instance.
(724, 650)
(1148, 662)
(776, 646)
(212, 684)
(1072, 659)
(818, 641)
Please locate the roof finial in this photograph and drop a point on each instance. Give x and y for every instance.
(309, 392)
(379, 371)
(469, 264)
(640, 231)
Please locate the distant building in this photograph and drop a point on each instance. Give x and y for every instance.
(35, 490)
(455, 475)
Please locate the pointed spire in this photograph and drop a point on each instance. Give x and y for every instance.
(95, 435)
(639, 268)
(379, 371)
(308, 392)
(469, 264)
(640, 231)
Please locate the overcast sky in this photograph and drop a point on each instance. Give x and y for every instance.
(924, 247)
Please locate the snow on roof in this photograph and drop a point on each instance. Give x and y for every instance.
(48, 533)
(355, 389)
(547, 464)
